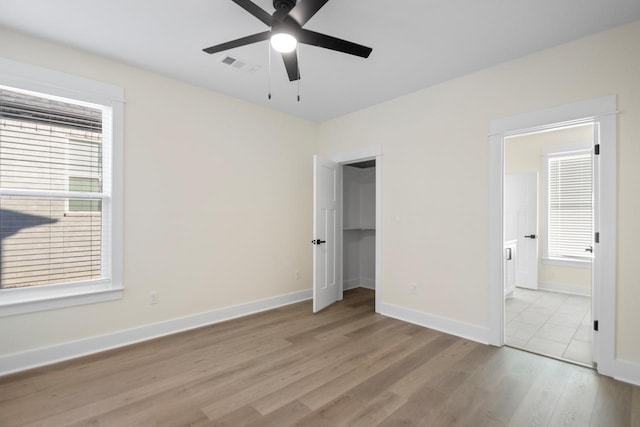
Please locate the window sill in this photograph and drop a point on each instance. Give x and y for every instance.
(586, 264)
(41, 298)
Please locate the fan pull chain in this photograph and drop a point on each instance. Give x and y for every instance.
(298, 53)
(269, 47)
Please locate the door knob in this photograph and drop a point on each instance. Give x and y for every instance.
(318, 241)
(530, 236)
(589, 249)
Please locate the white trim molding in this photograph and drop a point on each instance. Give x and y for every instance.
(20, 300)
(70, 350)
(563, 115)
(442, 324)
(368, 283)
(39, 79)
(350, 284)
(359, 283)
(359, 154)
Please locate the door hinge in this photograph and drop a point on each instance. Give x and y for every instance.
(596, 149)
(596, 238)
(595, 325)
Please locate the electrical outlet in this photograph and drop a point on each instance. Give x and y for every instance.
(297, 275)
(154, 297)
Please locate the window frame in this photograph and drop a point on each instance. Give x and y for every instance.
(39, 80)
(557, 151)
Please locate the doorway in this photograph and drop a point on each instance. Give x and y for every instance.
(548, 231)
(601, 113)
(359, 225)
(346, 230)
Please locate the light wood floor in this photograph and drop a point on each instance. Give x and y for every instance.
(343, 366)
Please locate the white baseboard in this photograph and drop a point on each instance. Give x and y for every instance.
(350, 284)
(368, 283)
(360, 282)
(442, 324)
(57, 353)
(564, 288)
(628, 372)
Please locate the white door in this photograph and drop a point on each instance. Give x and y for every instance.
(325, 233)
(521, 224)
(595, 191)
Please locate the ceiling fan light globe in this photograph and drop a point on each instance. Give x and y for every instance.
(283, 42)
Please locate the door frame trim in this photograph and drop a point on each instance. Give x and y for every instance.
(373, 152)
(602, 113)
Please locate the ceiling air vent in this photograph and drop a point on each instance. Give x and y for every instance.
(238, 63)
(228, 60)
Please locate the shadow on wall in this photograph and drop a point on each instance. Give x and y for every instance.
(13, 221)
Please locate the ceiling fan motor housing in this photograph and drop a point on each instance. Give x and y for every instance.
(283, 7)
(284, 4)
(282, 23)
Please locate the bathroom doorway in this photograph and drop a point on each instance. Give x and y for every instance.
(601, 114)
(548, 236)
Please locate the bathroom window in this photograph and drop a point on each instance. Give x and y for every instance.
(569, 207)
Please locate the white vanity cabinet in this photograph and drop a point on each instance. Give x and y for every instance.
(509, 268)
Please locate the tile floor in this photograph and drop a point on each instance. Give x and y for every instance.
(550, 323)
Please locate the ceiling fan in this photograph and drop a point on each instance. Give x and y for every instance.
(286, 32)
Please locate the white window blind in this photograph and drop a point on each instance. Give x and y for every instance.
(54, 203)
(570, 205)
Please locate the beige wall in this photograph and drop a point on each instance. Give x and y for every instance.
(200, 184)
(436, 176)
(217, 203)
(524, 154)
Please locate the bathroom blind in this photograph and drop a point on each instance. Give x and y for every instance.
(570, 206)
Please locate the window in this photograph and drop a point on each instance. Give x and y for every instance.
(60, 204)
(569, 205)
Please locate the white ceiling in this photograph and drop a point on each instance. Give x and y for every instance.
(416, 43)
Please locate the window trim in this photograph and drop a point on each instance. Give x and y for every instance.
(47, 297)
(555, 151)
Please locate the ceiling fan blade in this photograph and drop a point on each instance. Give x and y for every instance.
(291, 64)
(333, 43)
(239, 42)
(305, 9)
(255, 10)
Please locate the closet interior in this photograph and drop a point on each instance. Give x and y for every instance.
(359, 225)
